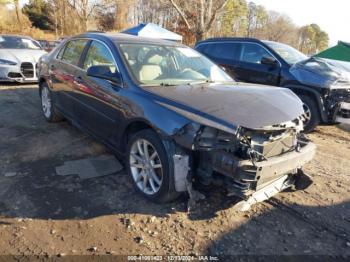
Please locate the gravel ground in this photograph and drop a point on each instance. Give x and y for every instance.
(45, 214)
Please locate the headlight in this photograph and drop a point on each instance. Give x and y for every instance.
(7, 62)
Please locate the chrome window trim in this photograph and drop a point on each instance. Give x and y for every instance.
(88, 39)
(110, 52)
(241, 42)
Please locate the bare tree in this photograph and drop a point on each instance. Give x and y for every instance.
(84, 9)
(15, 3)
(106, 16)
(123, 7)
(198, 16)
(54, 10)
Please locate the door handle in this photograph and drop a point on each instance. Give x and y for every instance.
(51, 69)
(78, 79)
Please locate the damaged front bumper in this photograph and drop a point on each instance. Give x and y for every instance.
(252, 164)
(343, 113)
(249, 177)
(338, 104)
(265, 193)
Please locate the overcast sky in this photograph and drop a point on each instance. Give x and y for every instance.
(332, 16)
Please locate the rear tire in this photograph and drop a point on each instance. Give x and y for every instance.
(150, 166)
(311, 113)
(48, 106)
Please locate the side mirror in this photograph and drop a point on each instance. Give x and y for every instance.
(104, 72)
(268, 60)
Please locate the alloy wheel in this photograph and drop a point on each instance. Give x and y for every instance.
(146, 167)
(307, 114)
(46, 102)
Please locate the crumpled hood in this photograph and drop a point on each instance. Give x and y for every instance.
(321, 72)
(250, 106)
(21, 55)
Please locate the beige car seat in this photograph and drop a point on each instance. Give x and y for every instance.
(150, 72)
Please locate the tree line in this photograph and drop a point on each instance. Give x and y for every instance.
(194, 19)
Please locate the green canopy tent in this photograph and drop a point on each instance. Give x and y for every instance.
(339, 52)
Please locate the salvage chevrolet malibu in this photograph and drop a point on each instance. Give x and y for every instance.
(18, 58)
(174, 116)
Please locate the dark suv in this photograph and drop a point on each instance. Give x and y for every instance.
(175, 116)
(323, 85)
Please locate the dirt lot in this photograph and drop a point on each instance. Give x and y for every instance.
(45, 214)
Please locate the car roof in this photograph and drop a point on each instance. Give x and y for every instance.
(273, 42)
(126, 38)
(224, 39)
(22, 36)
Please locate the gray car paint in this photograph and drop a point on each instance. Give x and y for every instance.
(250, 106)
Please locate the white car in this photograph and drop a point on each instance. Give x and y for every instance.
(19, 56)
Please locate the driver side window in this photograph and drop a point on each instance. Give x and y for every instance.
(253, 53)
(98, 54)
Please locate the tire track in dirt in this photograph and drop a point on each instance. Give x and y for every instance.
(336, 231)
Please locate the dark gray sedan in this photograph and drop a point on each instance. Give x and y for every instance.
(174, 116)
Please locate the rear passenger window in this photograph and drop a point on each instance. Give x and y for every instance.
(253, 53)
(227, 51)
(73, 51)
(202, 48)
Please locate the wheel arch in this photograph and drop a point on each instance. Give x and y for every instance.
(307, 91)
(41, 81)
(133, 127)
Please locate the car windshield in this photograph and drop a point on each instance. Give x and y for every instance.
(288, 53)
(167, 65)
(16, 42)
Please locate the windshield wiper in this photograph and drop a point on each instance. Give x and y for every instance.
(188, 83)
(166, 84)
(201, 82)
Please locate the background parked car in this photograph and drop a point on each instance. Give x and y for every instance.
(48, 45)
(321, 84)
(18, 58)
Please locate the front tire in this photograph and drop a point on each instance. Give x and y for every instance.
(150, 166)
(48, 106)
(312, 115)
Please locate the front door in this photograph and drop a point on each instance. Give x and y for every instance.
(251, 69)
(98, 107)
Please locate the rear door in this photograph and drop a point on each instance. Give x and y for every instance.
(98, 107)
(225, 54)
(251, 69)
(62, 72)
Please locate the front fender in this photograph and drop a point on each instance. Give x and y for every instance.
(146, 111)
(299, 89)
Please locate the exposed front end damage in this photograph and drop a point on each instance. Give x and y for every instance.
(338, 105)
(343, 113)
(254, 164)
